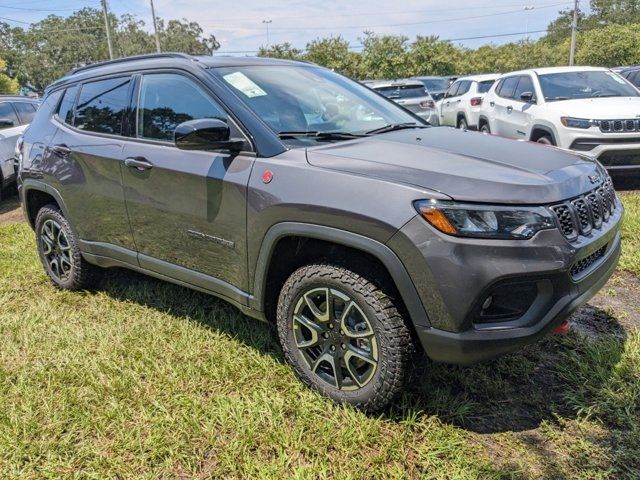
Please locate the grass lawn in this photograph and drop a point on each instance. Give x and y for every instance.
(144, 379)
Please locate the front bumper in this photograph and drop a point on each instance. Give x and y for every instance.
(618, 152)
(453, 275)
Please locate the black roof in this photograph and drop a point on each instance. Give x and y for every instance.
(159, 60)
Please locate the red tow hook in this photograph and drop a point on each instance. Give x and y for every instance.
(562, 329)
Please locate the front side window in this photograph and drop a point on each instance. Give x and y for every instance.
(65, 110)
(167, 100)
(102, 106)
(586, 84)
(310, 99)
(525, 85)
(8, 117)
(26, 110)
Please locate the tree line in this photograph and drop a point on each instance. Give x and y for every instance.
(608, 36)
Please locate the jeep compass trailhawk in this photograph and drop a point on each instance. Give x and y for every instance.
(307, 199)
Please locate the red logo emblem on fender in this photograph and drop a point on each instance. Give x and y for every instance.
(267, 176)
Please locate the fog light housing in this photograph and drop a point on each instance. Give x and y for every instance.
(505, 302)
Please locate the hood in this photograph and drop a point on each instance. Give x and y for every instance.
(466, 166)
(607, 108)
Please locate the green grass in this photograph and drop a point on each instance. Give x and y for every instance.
(144, 379)
(631, 233)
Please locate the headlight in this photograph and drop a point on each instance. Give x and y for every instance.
(571, 122)
(485, 221)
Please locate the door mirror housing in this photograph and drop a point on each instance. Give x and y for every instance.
(528, 97)
(209, 134)
(6, 123)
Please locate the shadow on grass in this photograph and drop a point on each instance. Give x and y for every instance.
(514, 393)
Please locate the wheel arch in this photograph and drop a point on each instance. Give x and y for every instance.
(35, 195)
(343, 241)
(539, 130)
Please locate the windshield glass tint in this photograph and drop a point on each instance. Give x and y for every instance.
(484, 87)
(303, 99)
(436, 84)
(402, 91)
(588, 84)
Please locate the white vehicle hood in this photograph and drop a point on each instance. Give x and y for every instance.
(607, 108)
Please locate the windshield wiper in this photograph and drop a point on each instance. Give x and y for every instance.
(395, 126)
(319, 135)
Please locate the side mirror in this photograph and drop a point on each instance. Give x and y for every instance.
(206, 134)
(527, 97)
(6, 123)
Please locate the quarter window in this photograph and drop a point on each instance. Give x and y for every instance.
(26, 111)
(102, 105)
(167, 100)
(8, 116)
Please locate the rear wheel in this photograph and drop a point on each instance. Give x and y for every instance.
(59, 252)
(343, 336)
(484, 128)
(462, 123)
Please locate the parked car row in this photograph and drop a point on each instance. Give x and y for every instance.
(586, 109)
(15, 114)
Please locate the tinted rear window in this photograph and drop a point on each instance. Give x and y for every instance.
(102, 105)
(403, 91)
(485, 86)
(8, 113)
(26, 110)
(436, 84)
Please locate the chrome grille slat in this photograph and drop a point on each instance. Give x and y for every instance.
(589, 211)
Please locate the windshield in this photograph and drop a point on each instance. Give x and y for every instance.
(587, 84)
(402, 91)
(311, 99)
(436, 84)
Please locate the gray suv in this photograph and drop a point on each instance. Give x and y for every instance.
(308, 200)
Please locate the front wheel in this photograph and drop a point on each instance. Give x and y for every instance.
(545, 140)
(343, 336)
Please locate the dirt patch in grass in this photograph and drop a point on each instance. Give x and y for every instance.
(620, 298)
(10, 211)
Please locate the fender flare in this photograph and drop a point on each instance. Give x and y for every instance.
(545, 129)
(384, 254)
(32, 184)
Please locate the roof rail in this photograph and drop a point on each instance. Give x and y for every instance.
(134, 57)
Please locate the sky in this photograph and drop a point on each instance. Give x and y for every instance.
(239, 24)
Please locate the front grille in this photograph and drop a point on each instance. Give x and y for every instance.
(581, 215)
(619, 126)
(620, 158)
(583, 264)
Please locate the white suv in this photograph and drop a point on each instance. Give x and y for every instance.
(587, 109)
(15, 114)
(460, 106)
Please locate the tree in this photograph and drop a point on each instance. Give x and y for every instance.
(430, 56)
(281, 50)
(610, 46)
(385, 56)
(187, 37)
(334, 53)
(7, 85)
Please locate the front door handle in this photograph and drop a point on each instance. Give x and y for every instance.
(61, 150)
(492, 104)
(139, 163)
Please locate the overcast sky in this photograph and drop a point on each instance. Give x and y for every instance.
(238, 24)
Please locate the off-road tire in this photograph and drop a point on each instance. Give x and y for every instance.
(394, 343)
(81, 275)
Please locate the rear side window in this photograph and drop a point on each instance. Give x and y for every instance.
(485, 86)
(26, 110)
(8, 117)
(508, 86)
(102, 105)
(65, 110)
(167, 100)
(524, 85)
(464, 87)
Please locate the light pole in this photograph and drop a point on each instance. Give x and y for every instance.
(106, 27)
(155, 27)
(527, 8)
(574, 31)
(267, 22)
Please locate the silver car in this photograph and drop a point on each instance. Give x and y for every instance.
(411, 94)
(15, 115)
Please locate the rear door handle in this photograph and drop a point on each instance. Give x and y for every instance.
(509, 109)
(492, 104)
(61, 150)
(139, 163)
